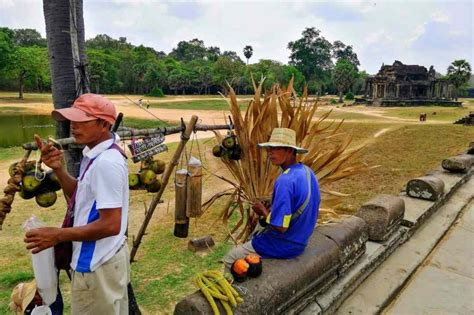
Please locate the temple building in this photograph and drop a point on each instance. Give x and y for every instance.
(407, 85)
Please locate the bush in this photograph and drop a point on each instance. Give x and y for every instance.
(349, 96)
(156, 92)
(333, 101)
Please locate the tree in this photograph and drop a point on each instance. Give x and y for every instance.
(311, 54)
(190, 50)
(6, 46)
(28, 37)
(248, 52)
(459, 73)
(343, 75)
(27, 63)
(341, 51)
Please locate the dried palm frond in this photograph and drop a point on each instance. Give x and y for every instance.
(330, 155)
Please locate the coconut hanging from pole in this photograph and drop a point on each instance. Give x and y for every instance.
(181, 221)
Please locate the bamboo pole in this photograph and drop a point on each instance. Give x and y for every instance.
(181, 221)
(169, 169)
(126, 134)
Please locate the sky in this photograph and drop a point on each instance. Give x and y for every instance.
(420, 32)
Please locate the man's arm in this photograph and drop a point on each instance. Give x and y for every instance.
(261, 210)
(108, 224)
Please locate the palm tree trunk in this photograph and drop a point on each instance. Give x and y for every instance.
(63, 21)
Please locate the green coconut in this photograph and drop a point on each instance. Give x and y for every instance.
(133, 180)
(31, 183)
(25, 194)
(51, 181)
(46, 198)
(154, 187)
(217, 150)
(147, 176)
(229, 142)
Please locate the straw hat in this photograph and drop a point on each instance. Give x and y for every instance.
(22, 296)
(283, 137)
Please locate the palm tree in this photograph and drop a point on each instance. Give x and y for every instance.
(459, 72)
(248, 52)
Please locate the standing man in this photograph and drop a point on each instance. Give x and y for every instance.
(100, 259)
(295, 204)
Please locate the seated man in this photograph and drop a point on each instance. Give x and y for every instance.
(295, 204)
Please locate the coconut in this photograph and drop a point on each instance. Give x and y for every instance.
(239, 270)
(217, 150)
(229, 142)
(133, 180)
(30, 183)
(46, 198)
(147, 176)
(154, 187)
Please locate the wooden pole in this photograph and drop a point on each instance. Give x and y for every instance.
(129, 133)
(169, 169)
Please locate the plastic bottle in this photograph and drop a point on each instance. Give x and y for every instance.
(44, 268)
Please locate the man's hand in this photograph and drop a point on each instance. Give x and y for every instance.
(42, 238)
(50, 155)
(260, 209)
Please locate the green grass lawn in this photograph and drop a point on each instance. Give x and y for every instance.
(433, 112)
(198, 105)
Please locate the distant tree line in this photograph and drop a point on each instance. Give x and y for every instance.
(117, 66)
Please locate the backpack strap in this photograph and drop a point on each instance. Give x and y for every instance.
(300, 210)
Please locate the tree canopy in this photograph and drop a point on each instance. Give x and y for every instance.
(117, 66)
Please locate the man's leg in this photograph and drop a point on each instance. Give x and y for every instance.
(240, 251)
(103, 291)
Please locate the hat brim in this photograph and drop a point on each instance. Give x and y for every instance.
(72, 114)
(281, 145)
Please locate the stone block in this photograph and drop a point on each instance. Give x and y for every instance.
(459, 163)
(471, 148)
(201, 243)
(426, 187)
(282, 284)
(383, 214)
(350, 235)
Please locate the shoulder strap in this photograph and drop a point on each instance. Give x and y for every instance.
(118, 148)
(308, 196)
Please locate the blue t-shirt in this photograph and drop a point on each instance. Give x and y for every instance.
(289, 193)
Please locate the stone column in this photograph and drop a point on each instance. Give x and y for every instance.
(397, 95)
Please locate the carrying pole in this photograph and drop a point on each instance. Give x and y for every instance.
(169, 170)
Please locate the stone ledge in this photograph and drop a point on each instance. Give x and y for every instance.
(375, 254)
(285, 285)
(418, 211)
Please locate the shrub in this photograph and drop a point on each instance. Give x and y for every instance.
(333, 101)
(156, 92)
(349, 96)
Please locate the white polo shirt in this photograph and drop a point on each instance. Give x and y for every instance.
(104, 186)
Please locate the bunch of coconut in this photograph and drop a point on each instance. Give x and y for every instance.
(37, 183)
(228, 149)
(147, 177)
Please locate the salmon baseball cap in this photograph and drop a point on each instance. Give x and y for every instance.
(87, 107)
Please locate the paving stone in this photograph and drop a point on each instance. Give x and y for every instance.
(435, 291)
